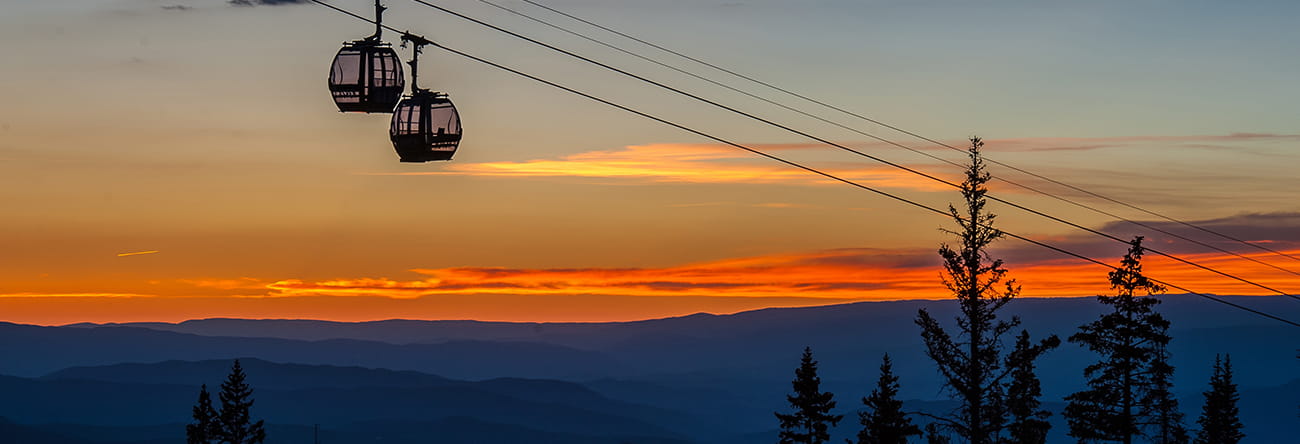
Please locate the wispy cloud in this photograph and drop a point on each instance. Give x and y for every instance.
(685, 163)
(774, 205)
(137, 253)
(243, 283)
(1216, 141)
(711, 163)
(74, 295)
(266, 2)
(782, 205)
(1277, 231)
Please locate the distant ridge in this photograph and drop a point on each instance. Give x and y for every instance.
(343, 399)
(47, 349)
(1186, 311)
(286, 376)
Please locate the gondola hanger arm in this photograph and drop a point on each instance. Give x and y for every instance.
(419, 42)
(379, 20)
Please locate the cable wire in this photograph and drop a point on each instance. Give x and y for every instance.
(921, 137)
(836, 145)
(796, 164)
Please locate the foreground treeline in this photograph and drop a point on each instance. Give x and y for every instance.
(1128, 394)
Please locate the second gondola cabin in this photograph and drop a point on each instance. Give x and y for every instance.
(425, 127)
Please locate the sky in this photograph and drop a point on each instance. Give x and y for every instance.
(163, 160)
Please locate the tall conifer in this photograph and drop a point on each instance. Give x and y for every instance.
(1164, 420)
(883, 421)
(1028, 423)
(971, 360)
(1219, 419)
(811, 420)
(236, 402)
(207, 425)
(1129, 392)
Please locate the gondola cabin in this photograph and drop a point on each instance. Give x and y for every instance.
(366, 77)
(425, 127)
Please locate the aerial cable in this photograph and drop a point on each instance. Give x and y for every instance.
(833, 144)
(921, 137)
(798, 165)
(880, 139)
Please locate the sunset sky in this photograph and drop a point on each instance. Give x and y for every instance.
(163, 160)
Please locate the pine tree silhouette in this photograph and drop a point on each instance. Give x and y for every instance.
(1219, 420)
(206, 426)
(1028, 421)
(883, 422)
(811, 420)
(971, 361)
(1165, 419)
(1129, 390)
(236, 401)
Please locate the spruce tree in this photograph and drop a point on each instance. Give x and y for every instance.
(236, 426)
(971, 360)
(1164, 424)
(883, 421)
(1129, 392)
(206, 426)
(811, 420)
(1219, 421)
(1028, 420)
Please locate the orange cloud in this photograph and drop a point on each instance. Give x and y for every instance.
(74, 295)
(854, 274)
(835, 275)
(243, 283)
(686, 163)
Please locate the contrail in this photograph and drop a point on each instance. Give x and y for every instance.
(137, 253)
